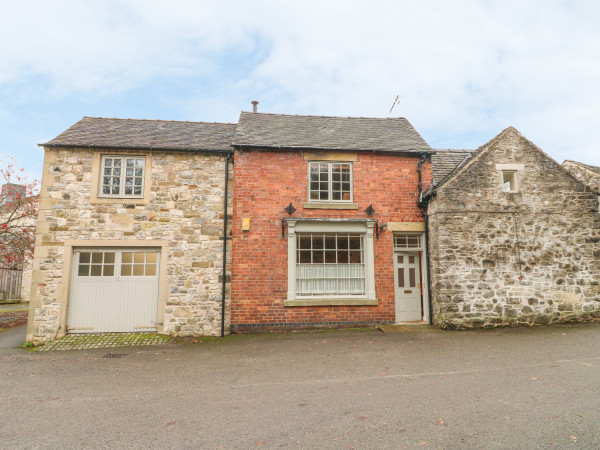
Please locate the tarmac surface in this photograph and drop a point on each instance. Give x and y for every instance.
(13, 337)
(508, 388)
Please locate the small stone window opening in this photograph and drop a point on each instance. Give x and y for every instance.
(509, 181)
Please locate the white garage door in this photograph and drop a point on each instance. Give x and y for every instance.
(114, 290)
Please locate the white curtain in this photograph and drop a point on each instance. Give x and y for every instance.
(330, 279)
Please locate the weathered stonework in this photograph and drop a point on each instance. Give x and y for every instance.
(588, 175)
(26, 280)
(501, 258)
(183, 213)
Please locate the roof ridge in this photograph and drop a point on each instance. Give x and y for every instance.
(323, 117)
(454, 149)
(158, 120)
(580, 163)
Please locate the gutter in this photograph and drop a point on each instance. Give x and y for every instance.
(135, 147)
(422, 204)
(293, 148)
(224, 274)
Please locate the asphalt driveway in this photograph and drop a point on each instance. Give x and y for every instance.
(510, 388)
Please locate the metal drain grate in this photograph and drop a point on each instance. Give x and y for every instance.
(114, 355)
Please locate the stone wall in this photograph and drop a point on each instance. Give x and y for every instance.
(183, 213)
(524, 258)
(26, 280)
(587, 176)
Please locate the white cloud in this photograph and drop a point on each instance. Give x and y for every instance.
(465, 69)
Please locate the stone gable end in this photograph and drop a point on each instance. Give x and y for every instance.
(506, 258)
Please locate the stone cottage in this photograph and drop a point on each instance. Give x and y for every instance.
(326, 227)
(513, 240)
(332, 221)
(130, 229)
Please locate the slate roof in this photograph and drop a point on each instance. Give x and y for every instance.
(443, 161)
(282, 131)
(595, 169)
(99, 132)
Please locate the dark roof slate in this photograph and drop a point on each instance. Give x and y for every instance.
(100, 132)
(443, 161)
(282, 131)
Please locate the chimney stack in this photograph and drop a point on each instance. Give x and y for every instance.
(254, 105)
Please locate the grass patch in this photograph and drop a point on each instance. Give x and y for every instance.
(9, 310)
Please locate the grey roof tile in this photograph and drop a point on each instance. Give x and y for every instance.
(102, 132)
(445, 160)
(327, 133)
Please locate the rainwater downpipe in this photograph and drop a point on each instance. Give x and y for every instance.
(224, 274)
(423, 207)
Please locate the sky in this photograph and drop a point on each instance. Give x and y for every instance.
(462, 70)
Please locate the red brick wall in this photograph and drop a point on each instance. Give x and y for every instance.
(264, 184)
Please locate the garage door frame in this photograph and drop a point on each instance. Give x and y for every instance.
(114, 290)
(63, 288)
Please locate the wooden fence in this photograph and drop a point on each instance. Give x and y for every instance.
(10, 284)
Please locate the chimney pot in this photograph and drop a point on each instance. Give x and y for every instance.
(254, 105)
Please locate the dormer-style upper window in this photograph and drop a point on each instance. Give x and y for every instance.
(330, 181)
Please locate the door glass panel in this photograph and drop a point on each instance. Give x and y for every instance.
(109, 270)
(412, 277)
(400, 259)
(411, 259)
(97, 258)
(138, 270)
(150, 270)
(84, 270)
(150, 257)
(109, 258)
(401, 277)
(127, 257)
(84, 258)
(138, 257)
(126, 270)
(96, 270)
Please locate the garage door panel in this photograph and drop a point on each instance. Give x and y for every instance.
(104, 300)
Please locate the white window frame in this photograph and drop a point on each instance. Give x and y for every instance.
(330, 182)
(123, 176)
(363, 228)
(405, 242)
(117, 263)
(324, 274)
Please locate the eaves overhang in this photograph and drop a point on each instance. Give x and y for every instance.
(133, 147)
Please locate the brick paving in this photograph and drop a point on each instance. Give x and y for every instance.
(103, 340)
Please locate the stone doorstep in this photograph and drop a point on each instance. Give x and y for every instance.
(408, 328)
(103, 340)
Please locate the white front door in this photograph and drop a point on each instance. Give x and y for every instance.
(114, 290)
(407, 279)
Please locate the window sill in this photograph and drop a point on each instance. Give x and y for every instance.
(119, 200)
(317, 205)
(331, 302)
